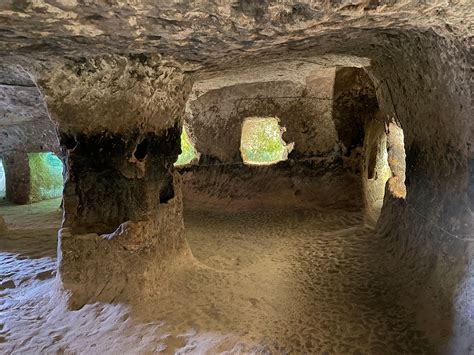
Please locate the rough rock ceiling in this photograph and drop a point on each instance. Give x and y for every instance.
(218, 40)
(207, 33)
(296, 71)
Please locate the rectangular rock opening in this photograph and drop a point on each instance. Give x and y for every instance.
(261, 141)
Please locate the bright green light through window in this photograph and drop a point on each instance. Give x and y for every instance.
(188, 153)
(46, 171)
(261, 141)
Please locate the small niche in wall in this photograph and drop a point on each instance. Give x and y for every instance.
(261, 142)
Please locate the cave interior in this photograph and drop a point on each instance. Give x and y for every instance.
(236, 177)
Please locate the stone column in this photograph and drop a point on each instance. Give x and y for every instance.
(17, 176)
(120, 121)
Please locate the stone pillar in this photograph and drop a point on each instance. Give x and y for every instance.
(123, 215)
(17, 175)
(120, 122)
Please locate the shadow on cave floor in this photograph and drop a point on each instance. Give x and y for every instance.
(297, 282)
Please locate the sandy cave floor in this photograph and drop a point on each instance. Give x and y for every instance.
(280, 282)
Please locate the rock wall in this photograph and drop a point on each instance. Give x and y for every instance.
(304, 184)
(429, 229)
(131, 174)
(324, 112)
(304, 109)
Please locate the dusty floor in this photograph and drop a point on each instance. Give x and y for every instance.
(297, 282)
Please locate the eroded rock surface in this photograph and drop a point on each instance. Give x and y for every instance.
(115, 94)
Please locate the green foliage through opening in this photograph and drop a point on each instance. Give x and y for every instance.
(261, 141)
(46, 171)
(188, 153)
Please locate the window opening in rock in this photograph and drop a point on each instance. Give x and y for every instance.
(188, 152)
(261, 141)
(2, 181)
(46, 171)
